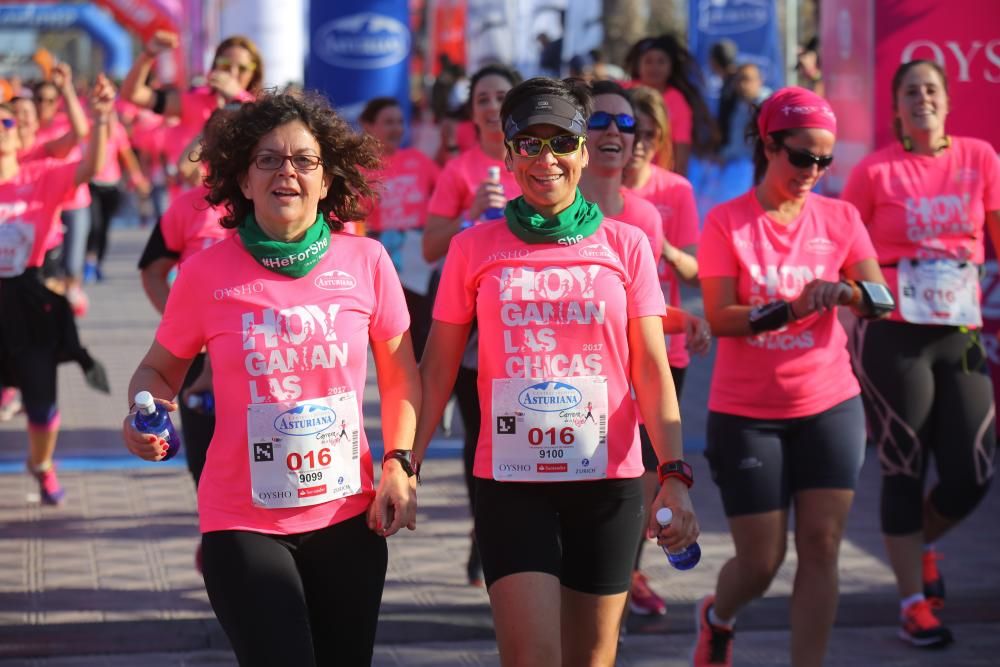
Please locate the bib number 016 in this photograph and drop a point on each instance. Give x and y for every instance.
(537, 436)
(310, 458)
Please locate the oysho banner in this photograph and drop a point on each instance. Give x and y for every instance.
(359, 49)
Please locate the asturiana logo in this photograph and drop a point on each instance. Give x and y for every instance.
(597, 251)
(363, 41)
(550, 397)
(305, 420)
(335, 281)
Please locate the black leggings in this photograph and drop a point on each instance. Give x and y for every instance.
(309, 600)
(927, 391)
(197, 428)
(467, 395)
(104, 203)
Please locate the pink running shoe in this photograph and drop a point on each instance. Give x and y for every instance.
(642, 599)
(48, 487)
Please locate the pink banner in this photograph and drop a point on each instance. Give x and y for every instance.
(963, 36)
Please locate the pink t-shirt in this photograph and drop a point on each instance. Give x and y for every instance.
(272, 338)
(673, 197)
(35, 196)
(681, 120)
(118, 141)
(456, 186)
(678, 113)
(552, 311)
(923, 207)
(640, 213)
(803, 368)
(80, 197)
(190, 224)
(405, 184)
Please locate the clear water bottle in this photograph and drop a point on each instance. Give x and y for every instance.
(203, 402)
(153, 418)
(681, 560)
(493, 176)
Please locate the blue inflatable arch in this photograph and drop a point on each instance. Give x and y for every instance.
(112, 38)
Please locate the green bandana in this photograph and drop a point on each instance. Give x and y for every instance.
(569, 226)
(294, 259)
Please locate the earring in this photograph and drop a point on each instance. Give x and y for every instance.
(907, 144)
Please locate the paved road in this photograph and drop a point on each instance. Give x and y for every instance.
(108, 579)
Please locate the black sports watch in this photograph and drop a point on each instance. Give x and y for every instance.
(678, 468)
(405, 458)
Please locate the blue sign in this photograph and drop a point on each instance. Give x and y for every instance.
(359, 49)
(751, 24)
(115, 42)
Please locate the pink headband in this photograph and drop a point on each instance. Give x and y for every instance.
(795, 107)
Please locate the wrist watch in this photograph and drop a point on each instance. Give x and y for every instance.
(677, 468)
(405, 458)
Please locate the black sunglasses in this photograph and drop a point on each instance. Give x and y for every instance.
(803, 159)
(601, 120)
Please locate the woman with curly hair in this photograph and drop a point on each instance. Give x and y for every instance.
(663, 64)
(293, 528)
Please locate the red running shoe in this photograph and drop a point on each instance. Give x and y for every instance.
(713, 645)
(933, 581)
(642, 599)
(921, 627)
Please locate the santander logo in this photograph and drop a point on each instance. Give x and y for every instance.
(335, 281)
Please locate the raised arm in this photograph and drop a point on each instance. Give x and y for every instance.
(134, 87)
(102, 100)
(60, 147)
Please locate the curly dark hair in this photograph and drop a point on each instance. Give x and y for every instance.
(230, 140)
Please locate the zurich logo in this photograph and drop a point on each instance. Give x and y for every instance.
(335, 280)
(305, 420)
(550, 397)
(363, 41)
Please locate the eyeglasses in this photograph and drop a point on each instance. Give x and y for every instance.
(272, 162)
(227, 63)
(8, 123)
(601, 120)
(803, 159)
(563, 144)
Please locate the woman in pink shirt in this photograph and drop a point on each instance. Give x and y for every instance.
(237, 75)
(464, 196)
(664, 65)
(569, 314)
(647, 175)
(611, 133)
(290, 516)
(785, 423)
(37, 330)
(927, 200)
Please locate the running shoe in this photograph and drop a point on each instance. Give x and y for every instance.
(10, 404)
(642, 599)
(713, 645)
(933, 581)
(90, 273)
(48, 487)
(922, 628)
(474, 567)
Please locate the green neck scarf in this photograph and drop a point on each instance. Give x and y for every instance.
(293, 259)
(569, 226)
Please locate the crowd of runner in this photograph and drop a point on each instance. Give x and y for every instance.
(558, 228)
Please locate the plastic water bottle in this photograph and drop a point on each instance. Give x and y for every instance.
(493, 176)
(681, 560)
(154, 419)
(203, 402)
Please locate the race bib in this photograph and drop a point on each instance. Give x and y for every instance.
(939, 291)
(16, 241)
(304, 452)
(550, 430)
